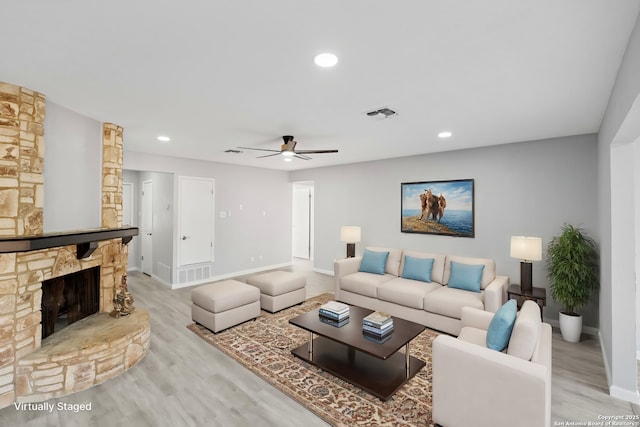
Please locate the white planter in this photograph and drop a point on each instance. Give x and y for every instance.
(570, 327)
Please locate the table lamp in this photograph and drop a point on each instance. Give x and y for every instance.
(350, 234)
(526, 249)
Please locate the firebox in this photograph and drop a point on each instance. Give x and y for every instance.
(69, 298)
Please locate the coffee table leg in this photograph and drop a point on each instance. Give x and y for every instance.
(310, 345)
(407, 369)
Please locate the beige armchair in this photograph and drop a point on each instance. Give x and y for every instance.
(476, 386)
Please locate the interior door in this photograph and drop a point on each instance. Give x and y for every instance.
(301, 222)
(196, 210)
(146, 228)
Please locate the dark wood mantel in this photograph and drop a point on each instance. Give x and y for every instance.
(85, 240)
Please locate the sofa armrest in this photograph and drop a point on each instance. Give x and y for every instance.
(475, 318)
(344, 267)
(495, 294)
(473, 385)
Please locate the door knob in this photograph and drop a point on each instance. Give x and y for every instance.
(186, 237)
(148, 234)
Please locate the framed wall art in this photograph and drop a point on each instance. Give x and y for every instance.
(438, 207)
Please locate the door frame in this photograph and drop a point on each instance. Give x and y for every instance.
(149, 260)
(311, 186)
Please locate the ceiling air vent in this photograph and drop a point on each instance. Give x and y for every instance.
(233, 151)
(381, 113)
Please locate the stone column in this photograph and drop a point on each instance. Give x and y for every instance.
(111, 175)
(22, 114)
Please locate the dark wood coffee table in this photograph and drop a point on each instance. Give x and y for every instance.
(344, 352)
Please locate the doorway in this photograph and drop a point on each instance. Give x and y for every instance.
(302, 220)
(146, 228)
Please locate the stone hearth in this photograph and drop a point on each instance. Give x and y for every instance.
(32, 369)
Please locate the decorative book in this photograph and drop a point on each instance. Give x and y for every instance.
(377, 319)
(335, 307)
(336, 323)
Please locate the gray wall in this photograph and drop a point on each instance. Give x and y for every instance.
(259, 201)
(530, 188)
(72, 170)
(134, 246)
(618, 311)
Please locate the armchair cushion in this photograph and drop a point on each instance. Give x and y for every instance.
(525, 331)
(501, 326)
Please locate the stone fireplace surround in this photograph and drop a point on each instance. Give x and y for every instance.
(96, 348)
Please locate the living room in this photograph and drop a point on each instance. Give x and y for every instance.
(522, 187)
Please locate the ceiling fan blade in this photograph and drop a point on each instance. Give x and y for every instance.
(299, 156)
(268, 155)
(315, 151)
(260, 149)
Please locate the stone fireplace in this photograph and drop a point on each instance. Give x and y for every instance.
(94, 348)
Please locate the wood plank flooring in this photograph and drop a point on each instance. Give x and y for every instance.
(187, 382)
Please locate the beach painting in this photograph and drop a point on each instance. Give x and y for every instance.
(438, 207)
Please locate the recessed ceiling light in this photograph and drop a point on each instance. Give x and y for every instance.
(445, 134)
(325, 60)
(164, 138)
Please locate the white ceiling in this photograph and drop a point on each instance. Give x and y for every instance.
(215, 75)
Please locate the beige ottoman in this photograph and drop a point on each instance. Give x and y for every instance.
(222, 305)
(279, 289)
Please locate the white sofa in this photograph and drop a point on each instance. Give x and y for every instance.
(476, 386)
(434, 304)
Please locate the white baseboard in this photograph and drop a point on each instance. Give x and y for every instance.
(323, 271)
(133, 269)
(629, 395)
(230, 275)
(605, 360)
(167, 284)
(589, 330)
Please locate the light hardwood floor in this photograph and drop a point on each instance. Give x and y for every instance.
(184, 381)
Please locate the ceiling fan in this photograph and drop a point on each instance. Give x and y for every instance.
(288, 150)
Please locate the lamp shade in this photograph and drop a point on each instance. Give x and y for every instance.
(526, 248)
(350, 233)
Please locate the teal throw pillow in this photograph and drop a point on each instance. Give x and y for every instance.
(417, 268)
(373, 262)
(465, 276)
(501, 325)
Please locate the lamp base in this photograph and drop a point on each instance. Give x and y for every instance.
(525, 277)
(351, 250)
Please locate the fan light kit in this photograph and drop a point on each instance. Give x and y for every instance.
(288, 150)
(325, 60)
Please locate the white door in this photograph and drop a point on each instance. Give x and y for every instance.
(128, 220)
(301, 222)
(196, 200)
(146, 228)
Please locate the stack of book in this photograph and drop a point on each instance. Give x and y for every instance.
(377, 326)
(334, 313)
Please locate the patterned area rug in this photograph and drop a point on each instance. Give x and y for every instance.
(264, 347)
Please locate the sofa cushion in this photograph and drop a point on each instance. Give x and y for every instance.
(417, 268)
(488, 273)
(449, 301)
(501, 325)
(406, 292)
(526, 330)
(465, 276)
(364, 283)
(393, 261)
(373, 262)
(437, 272)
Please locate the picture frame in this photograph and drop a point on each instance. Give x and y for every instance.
(438, 207)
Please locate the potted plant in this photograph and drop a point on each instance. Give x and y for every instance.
(572, 263)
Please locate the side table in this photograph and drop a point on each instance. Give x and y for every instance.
(538, 295)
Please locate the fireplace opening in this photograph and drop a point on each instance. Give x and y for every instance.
(69, 298)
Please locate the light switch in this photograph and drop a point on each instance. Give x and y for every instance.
(223, 214)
